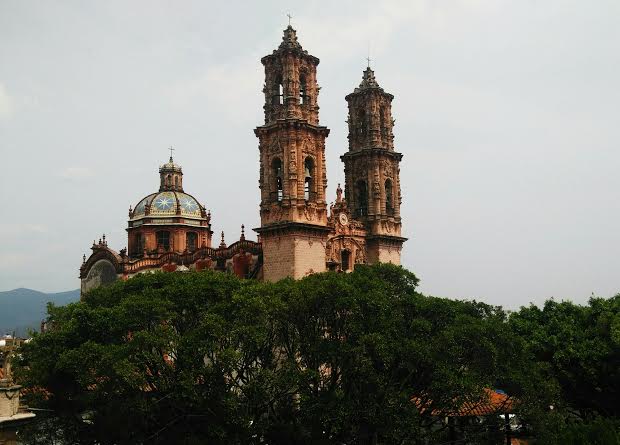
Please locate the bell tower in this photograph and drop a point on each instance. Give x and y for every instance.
(372, 172)
(293, 179)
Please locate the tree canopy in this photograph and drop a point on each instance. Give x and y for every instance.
(332, 358)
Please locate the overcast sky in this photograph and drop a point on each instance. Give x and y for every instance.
(507, 113)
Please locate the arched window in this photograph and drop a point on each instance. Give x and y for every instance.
(308, 179)
(278, 192)
(191, 241)
(176, 181)
(278, 91)
(382, 123)
(302, 89)
(361, 199)
(138, 246)
(361, 122)
(345, 259)
(389, 201)
(163, 239)
(168, 179)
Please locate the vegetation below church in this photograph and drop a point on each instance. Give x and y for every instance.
(334, 358)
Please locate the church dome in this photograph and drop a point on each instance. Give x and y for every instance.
(171, 200)
(167, 203)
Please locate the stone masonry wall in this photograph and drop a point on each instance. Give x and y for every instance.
(292, 255)
(9, 401)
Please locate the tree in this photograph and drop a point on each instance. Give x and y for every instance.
(579, 348)
(332, 358)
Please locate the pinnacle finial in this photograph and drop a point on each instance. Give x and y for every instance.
(368, 79)
(289, 39)
(222, 242)
(242, 232)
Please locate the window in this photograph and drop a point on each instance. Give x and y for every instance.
(361, 123)
(278, 192)
(389, 202)
(278, 91)
(361, 198)
(302, 89)
(163, 239)
(191, 241)
(382, 123)
(138, 246)
(345, 257)
(308, 185)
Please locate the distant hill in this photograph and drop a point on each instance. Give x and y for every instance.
(22, 309)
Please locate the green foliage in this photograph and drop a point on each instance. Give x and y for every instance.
(578, 348)
(333, 358)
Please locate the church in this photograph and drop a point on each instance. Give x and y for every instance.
(299, 234)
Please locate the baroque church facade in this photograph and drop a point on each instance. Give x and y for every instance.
(300, 233)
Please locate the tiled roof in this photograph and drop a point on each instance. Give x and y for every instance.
(490, 402)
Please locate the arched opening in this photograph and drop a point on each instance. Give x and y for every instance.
(361, 123)
(278, 192)
(361, 198)
(168, 180)
(345, 260)
(382, 123)
(308, 180)
(389, 201)
(138, 244)
(176, 182)
(278, 91)
(302, 89)
(163, 239)
(191, 241)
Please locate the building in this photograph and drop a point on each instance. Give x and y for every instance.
(299, 233)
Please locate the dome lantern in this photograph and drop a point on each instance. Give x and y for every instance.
(171, 177)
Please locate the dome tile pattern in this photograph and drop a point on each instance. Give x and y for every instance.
(166, 204)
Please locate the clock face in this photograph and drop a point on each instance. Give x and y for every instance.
(343, 219)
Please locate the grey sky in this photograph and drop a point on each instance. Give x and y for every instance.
(507, 112)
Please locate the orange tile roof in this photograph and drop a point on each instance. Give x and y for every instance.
(490, 402)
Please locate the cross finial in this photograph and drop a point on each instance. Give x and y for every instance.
(368, 59)
(289, 18)
(171, 150)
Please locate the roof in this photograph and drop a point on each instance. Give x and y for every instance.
(490, 402)
(166, 204)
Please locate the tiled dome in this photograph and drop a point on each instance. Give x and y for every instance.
(166, 204)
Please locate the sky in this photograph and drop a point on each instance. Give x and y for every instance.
(507, 114)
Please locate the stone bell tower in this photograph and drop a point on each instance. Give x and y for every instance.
(293, 180)
(372, 183)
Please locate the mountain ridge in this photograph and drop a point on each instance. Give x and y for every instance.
(22, 309)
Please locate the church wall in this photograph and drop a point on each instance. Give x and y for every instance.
(379, 252)
(101, 273)
(292, 255)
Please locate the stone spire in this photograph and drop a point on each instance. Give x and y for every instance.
(289, 39)
(368, 81)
